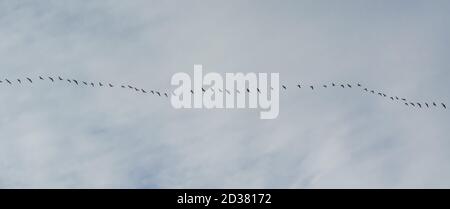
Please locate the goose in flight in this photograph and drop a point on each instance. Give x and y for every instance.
(18, 80)
(166, 95)
(396, 98)
(100, 84)
(136, 89)
(143, 91)
(312, 87)
(59, 77)
(365, 89)
(92, 84)
(434, 104)
(159, 94)
(248, 90)
(342, 85)
(8, 81)
(130, 87)
(51, 79)
(203, 89)
(29, 79)
(257, 89)
(153, 92)
(350, 86)
(333, 84)
(284, 87)
(40, 77)
(68, 80)
(325, 86)
(192, 92)
(403, 99)
(359, 84)
(237, 91)
(228, 91)
(420, 105)
(110, 85)
(75, 81)
(412, 104)
(298, 85)
(406, 104)
(122, 86)
(373, 92)
(392, 98)
(85, 83)
(443, 105)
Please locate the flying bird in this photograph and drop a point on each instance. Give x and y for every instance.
(392, 98)
(51, 79)
(443, 105)
(227, 91)
(299, 86)
(76, 82)
(412, 104)
(342, 85)
(143, 91)
(29, 79)
(92, 84)
(359, 84)
(110, 85)
(434, 104)
(333, 84)
(123, 86)
(349, 85)
(8, 81)
(159, 94)
(325, 86)
(166, 95)
(136, 89)
(69, 80)
(18, 80)
(203, 89)
(284, 87)
(312, 87)
(396, 98)
(420, 105)
(427, 105)
(366, 89)
(85, 83)
(59, 77)
(100, 84)
(406, 104)
(192, 92)
(257, 89)
(373, 92)
(248, 90)
(40, 77)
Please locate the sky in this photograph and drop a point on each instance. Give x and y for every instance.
(56, 135)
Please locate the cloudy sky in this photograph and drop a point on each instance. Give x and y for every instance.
(62, 136)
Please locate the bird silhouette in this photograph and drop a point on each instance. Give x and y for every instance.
(248, 90)
(350, 86)
(427, 105)
(8, 81)
(284, 87)
(373, 92)
(69, 80)
(143, 91)
(420, 105)
(312, 87)
(412, 104)
(403, 99)
(366, 89)
(396, 98)
(18, 80)
(166, 95)
(51, 79)
(359, 84)
(100, 84)
(203, 89)
(443, 105)
(40, 77)
(159, 94)
(434, 104)
(192, 92)
(29, 79)
(325, 86)
(59, 77)
(136, 89)
(299, 86)
(110, 85)
(406, 104)
(333, 84)
(257, 89)
(392, 98)
(85, 83)
(122, 86)
(342, 85)
(75, 81)
(228, 92)
(130, 87)
(92, 84)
